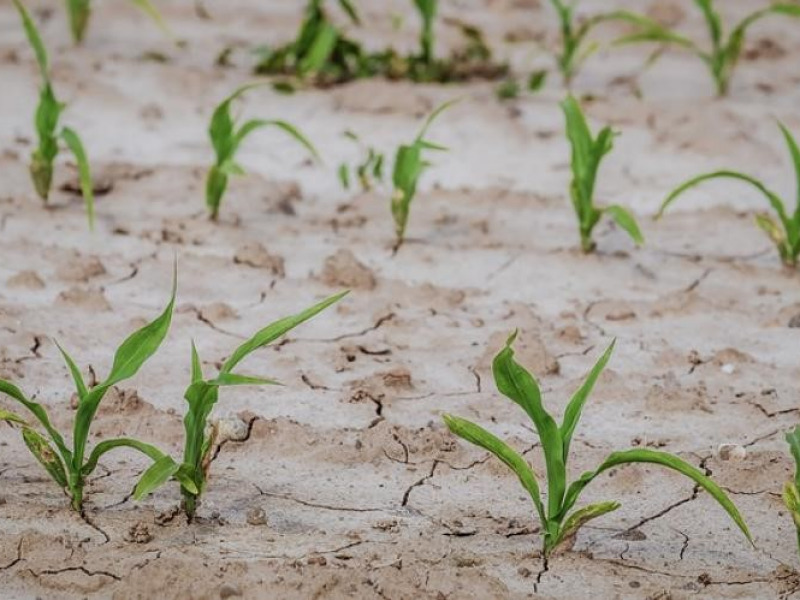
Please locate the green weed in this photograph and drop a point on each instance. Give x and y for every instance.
(226, 138)
(587, 154)
(201, 396)
(783, 232)
(70, 467)
(47, 117)
(559, 522)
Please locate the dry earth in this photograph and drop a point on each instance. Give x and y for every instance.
(345, 483)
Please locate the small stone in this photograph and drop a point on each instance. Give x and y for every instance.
(256, 516)
(728, 369)
(731, 452)
(524, 572)
(231, 429)
(320, 561)
(229, 590)
(794, 322)
(3, 500)
(80, 269)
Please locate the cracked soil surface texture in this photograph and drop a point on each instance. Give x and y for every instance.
(344, 483)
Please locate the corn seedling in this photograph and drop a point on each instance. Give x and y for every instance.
(46, 121)
(575, 47)
(511, 88)
(559, 521)
(723, 56)
(791, 491)
(80, 11)
(409, 164)
(202, 395)
(368, 171)
(587, 154)
(70, 467)
(783, 232)
(226, 138)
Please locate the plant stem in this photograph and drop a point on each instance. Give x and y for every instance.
(189, 504)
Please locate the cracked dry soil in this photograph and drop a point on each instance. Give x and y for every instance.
(344, 483)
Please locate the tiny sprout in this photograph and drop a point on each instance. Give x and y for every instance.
(559, 522)
(368, 171)
(226, 139)
(587, 154)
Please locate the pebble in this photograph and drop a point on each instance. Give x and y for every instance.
(731, 452)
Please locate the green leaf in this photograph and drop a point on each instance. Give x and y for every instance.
(582, 516)
(475, 434)
(349, 8)
(197, 367)
(435, 115)
(254, 124)
(664, 459)
(572, 414)
(105, 446)
(155, 476)
(320, 50)
(10, 417)
(275, 330)
(80, 385)
(626, 220)
(231, 379)
(793, 439)
(76, 146)
(38, 411)
(344, 176)
(774, 200)
(35, 40)
(514, 382)
(150, 10)
(45, 454)
(794, 152)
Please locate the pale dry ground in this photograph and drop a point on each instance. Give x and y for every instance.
(365, 493)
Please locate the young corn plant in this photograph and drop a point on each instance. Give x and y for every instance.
(368, 172)
(784, 231)
(723, 56)
(226, 138)
(791, 491)
(427, 41)
(80, 11)
(409, 165)
(320, 50)
(559, 522)
(46, 121)
(69, 466)
(201, 396)
(587, 154)
(575, 47)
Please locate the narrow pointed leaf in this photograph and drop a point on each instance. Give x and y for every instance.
(38, 411)
(664, 459)
(480, 437)
(84, 173)
(572, 414)
(46, 456)
(80, 385)
(107, 445)
(275, 330)
(626, 221)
